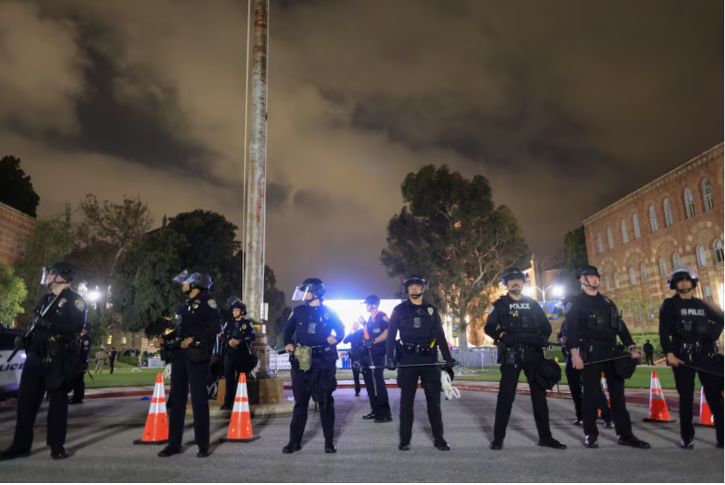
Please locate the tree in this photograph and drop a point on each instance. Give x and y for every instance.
(575, 247)
(16, 189)
(12, 294)
(637, 309)
(451, 232)
(49, 243)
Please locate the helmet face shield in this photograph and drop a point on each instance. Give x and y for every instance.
(48, 276)
(181, 277)
(300, 293)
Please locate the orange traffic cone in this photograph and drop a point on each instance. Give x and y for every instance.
(706, 417)
(156, 431)
(240, 427)
(658, 412)
(606, 393)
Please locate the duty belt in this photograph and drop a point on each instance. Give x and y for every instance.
(689, 349)
(420, 349)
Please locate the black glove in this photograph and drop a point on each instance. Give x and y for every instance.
(368, 342)
(450, 364)
(40, 322)
(390, 364)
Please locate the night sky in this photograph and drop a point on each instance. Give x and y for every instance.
(565, 106)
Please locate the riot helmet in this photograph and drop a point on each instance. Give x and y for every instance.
(315, 286)
(513, 274)
(66, 271)
(586, 271)
(415, 280)
(195, 279)
(234, 302)
(683, 272)
(372, 300)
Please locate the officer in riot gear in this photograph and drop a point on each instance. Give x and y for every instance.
(593, 324)
(309, 335)
(689, 330)
(573, 377)
(375, 333)
(239, 335)
(355, 339)
(52, 362)
(520, 324)
(421, 334)
(191, 342)
(79, 388)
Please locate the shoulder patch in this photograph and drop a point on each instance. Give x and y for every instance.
(430, 310)
(567, 308)
(80, 305)
(385, 318)
(212, 303)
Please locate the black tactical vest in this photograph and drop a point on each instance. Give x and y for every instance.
(416, 323)
(602, 321)
(517, 316)
(692, 323)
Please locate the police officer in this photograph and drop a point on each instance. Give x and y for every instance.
(421, 331)
(308, 333)
(574, 378)
(689, 330)
(521, 325)
(197, 324)
(79, 388)
(52, 362)
(239, 335)
(648, 353)
(355, 339)
(593, 324)
(375, 334)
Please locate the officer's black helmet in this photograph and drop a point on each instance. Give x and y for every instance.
(513, 274)
(372, 300)
(587, 270)
(310, 285)
(196, 279)
(683, 272)
(64, 270)
(415, 280)
(234, 302)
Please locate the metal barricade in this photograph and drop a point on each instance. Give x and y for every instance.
(278, 362)
(476, 360)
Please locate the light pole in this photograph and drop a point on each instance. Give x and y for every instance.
(529, 290)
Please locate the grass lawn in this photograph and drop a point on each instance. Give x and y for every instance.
(122, 378)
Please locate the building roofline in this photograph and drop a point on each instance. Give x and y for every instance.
(13, 209)
(679, 167)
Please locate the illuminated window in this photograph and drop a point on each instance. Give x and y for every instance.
(718, 251)
(616, 280)
(653, 217)
(668, 213)
(610, 238)
(632, 276)
(663, 267)
(689, 203)
(707, 195)
(599, 242)
(123, 339)
(635, 223)
(109, 341)
(701, 261)
(644, 273)
(625, 237)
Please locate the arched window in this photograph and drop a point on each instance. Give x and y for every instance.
(644, 272)
(625, 237)
(599, 242)
(668, 212)
(653, 218)
(632, 276)
(707, 195)
(663, 267)
(610, 238)
(606, 282)
(689, 203)
(635, 223)
(717, 247)
(616, 280)
(701, 261)
(676, 260)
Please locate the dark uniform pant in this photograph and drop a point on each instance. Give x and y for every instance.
(506, 394)
(430, 379)
(30, 396)
(355, 358)
(685, 382)
(375, 385)
(591, 379)
(111, 363)
(183, 375)
(649, 358)
(232, 367)
(574, 378)
(302, 391)
(79, 388)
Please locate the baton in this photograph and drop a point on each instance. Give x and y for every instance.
(372, 367)
(628, 356)
(700, 369)
(89, 374)
(405, 366)
(32, 327)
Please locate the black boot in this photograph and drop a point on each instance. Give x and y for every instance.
(634, 442)
(551, 443)
(291, 448)
(608, 425)
(369, 416)
(404, 446)
(496, 445)
(58, 452)
(591, 442)
(442, 445)
(383, 420)
(330, 446)
(686, 444)
(225, 408)
(577, 422)
(14, 452)
(204, 451)
(170, 450)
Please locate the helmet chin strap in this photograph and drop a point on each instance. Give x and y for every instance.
(416, 296)
(685, 291)
(516, 292)
(595, 288)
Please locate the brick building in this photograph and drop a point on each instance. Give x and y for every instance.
(677, 218)
(15, 229)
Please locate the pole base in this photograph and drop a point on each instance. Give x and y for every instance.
(142, 442)
(659, 420)
(245, 440)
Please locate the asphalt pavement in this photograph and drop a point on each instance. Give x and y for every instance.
(101, 433)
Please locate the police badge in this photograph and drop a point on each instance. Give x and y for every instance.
(62, 302)
(430, 311)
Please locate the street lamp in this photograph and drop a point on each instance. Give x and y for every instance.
(530, 290)
(93, 296)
